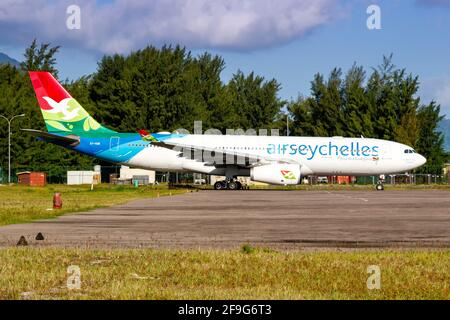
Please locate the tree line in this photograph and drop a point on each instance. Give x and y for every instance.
(163, 89)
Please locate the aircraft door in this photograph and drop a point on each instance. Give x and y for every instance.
(114, 143)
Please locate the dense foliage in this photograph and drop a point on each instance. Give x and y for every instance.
(382, 105)
(168, 89)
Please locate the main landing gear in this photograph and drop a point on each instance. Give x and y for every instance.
(228, 184)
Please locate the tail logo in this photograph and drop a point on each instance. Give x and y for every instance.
(62, 107)
(147, 136)
(67, 115)
(289, 175)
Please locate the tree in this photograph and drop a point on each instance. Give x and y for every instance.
(212, 90)
(254, 101)
(151, 88)
(42, 59)
(357, 110)
(168, 89)
(301, 114)
(386, 107)
(430, 141)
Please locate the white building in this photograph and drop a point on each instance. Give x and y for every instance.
(83, 177)
(127, 173)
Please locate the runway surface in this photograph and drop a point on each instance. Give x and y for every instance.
(276, 219)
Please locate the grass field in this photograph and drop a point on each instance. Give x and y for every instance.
(19, 204)
(27, 273)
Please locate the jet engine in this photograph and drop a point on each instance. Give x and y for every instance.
(276, 173)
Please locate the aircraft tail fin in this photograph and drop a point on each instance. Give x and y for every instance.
(61, 112)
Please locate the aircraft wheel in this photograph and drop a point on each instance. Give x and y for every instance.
(232, 185)
(239, 185)
(218, 185)
(379, 187)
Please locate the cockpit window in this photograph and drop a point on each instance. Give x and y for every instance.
(410, 151)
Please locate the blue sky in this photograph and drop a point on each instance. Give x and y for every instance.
(289, 40)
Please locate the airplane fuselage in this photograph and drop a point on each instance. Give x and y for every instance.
(315, 155)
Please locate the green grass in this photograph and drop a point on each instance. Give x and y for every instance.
(19, 204)
(233, 274)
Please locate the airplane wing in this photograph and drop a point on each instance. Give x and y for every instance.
(214, 156)
(70, 140)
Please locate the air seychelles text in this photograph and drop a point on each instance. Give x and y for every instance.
(353, 149)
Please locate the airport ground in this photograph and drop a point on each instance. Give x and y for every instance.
(20, 204)
(274, 244)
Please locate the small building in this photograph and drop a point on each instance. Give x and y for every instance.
(341, 179)
(33, 179)
(446, 171)
(143, 177)
(83, 177)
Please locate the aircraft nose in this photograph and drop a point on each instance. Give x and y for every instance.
(421, 159)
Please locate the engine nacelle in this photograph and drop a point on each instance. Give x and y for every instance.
(277, 173)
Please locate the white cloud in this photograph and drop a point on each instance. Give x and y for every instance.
(124, 25)
(438, 89)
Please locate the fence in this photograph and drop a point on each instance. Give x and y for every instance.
(403, 179)
(59, 175)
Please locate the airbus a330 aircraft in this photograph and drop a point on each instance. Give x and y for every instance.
(270, 159)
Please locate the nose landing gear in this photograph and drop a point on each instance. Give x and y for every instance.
(380, 185)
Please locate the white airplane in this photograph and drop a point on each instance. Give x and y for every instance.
(270, 159)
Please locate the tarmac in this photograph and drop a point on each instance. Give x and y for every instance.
(265, 218)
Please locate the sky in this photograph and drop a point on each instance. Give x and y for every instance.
(289, 40)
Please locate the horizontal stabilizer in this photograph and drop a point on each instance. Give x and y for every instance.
(70, 140)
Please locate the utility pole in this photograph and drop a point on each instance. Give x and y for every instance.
(287, 124)
(9, 141)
